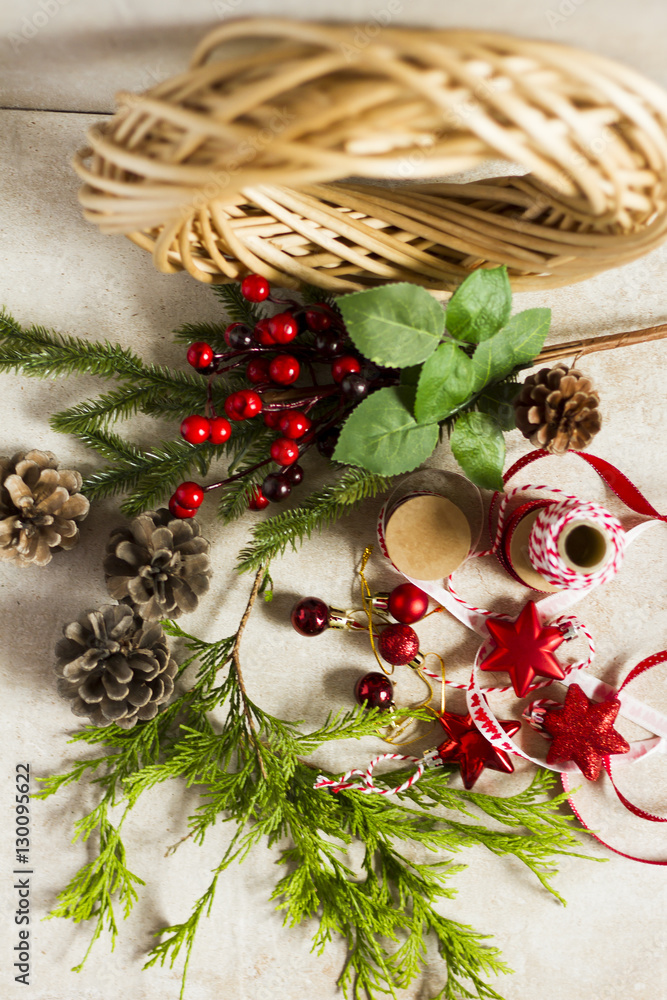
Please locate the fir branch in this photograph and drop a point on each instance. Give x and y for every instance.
(209, 333)
(236, 306)
(271, 537)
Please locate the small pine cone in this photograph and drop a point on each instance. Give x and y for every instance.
(557, 409)
(159, 564)
(40, 505)
(115, 667)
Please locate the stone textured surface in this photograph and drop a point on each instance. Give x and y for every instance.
(58, 271)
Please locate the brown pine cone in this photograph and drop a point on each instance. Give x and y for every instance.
(557, 409)
(39, 507)
(159, 564)
(115, 667)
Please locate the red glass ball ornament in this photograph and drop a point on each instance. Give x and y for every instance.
(310, 616)
(221, 430)
(178, 511)
(262, 334)
(294, 424)
(257, 370)
(407, 603)
(344, 366)
(374, 690)
(255, 288)
(283, 328)
(195, 429)
(189, 494)
(399, 644)
(319, 317)
(200, 355)
(257, 501)
(272, 418)
(284, 369)
(283, 451)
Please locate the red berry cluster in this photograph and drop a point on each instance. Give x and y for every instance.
(272, 372)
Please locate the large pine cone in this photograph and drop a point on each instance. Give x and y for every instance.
(159, 564)
(39, 507)
(115, 667)
(557, 409)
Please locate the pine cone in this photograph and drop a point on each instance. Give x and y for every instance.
(557, 409)
(159, 564)
(39, 507)
(115, 667)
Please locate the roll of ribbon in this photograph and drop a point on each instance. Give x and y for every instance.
(575, 544)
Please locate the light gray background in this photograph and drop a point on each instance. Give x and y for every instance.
(56, 270)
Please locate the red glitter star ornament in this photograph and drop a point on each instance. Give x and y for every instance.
(524, 648)
(470, 749)
(583, 731)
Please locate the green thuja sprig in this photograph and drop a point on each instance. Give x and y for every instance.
(252, 771)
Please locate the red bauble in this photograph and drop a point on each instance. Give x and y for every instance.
(177, 510)
(399, 644)
(283, 451)
(262, 334)
(524, 648)
(257, 501)
(344, 366)
(310, 616)
(470, 749)
(283, 328)
(374, 690)
(255, 288)
(257, 370)
(196, 430)
(583, 731)
(407, 603)
(200, 355)
(221, 430)
(284, 369)
(189, 495)
(294, 424)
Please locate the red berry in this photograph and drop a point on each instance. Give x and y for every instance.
(319, 317)
(200, 355)
(294, 424)
(284, 452)
(284, 369)
(407, 603)
(238, 336)
(257, 501)
(234, 406)
(178, 511)
(275, 487)
(283, 328)
(262, 334)
(272, 418)
(221, 430)
(257, 370)
(252, 403)
(293, 474)
(344, 366)
(195, 430)
(189, 495)
(255, 288)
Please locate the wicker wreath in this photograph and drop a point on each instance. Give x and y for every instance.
(311, 154)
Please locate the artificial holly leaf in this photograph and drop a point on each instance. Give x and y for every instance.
(381, 434)
(480, 306)
(446, 382)
(519, 341)
(478, 446)
(497, 400)
(395, 325)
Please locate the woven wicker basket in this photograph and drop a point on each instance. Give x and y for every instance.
(306, 157)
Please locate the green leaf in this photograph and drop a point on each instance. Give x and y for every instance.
(381, 434)
(478, 446)
(497, 400)
(446, 382)
(516, 344)
(395, 326)
(480, 306)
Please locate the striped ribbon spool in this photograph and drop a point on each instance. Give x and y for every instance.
(576, 544)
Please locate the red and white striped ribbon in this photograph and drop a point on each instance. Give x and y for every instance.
(366, 783)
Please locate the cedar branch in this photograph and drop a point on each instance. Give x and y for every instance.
(236, 661)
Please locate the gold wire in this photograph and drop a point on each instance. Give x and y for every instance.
(367, 601)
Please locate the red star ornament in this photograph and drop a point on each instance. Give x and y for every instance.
(524, 648)
(583, 731)
(470, 749)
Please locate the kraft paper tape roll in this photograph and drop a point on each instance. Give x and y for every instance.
(427, 536)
